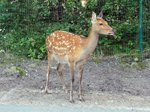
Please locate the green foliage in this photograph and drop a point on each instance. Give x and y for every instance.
(30, 45)
(24, 25)
(133, 60)
(124, 18)
(21, 71)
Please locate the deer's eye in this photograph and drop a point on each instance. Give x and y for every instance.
(100, 24)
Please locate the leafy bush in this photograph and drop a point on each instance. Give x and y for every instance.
(24, 25)
(32, 45)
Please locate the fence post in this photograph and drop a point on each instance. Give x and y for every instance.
(141, 27)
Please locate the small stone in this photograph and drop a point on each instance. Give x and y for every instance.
(136, 59)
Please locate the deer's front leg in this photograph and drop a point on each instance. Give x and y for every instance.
(72, 81)
(47, 78)
(80, 74)
(80, 83)
(48, 73)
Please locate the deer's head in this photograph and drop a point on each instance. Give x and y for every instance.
(100, 25)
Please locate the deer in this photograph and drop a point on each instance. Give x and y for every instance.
(74, 50)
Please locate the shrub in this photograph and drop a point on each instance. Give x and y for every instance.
(24, 25)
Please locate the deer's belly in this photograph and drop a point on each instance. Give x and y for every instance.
(60, 59)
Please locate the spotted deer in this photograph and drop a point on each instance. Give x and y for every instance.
(74, 50)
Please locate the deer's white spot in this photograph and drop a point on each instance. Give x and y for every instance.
(53, 35)
(63, 48)
(52, 39)
(74, 47)
(60, 43)
(63, 37)
(49, 42)
(68, 46)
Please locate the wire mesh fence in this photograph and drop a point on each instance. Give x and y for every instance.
(146, 23)
(25, 24)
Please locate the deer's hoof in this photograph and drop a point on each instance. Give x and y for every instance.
(81, 99)
(45, 91)
(80, 96)
(72, 101)
(66, 90)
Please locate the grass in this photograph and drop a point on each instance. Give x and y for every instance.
(133, 59)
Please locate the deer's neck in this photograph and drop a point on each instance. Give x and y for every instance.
(91, 42)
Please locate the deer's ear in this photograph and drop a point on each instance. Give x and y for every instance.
(101, 14)
(93, 17)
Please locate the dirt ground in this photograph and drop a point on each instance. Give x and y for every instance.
(106, 83)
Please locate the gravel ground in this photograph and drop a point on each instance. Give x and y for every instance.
(108, 83)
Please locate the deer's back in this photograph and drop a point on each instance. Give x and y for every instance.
(62, 43)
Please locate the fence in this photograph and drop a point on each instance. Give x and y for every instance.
(146, 23)
(28, 22)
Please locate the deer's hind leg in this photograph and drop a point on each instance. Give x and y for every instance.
(48, 72)
(60, 75)
(71, 65)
